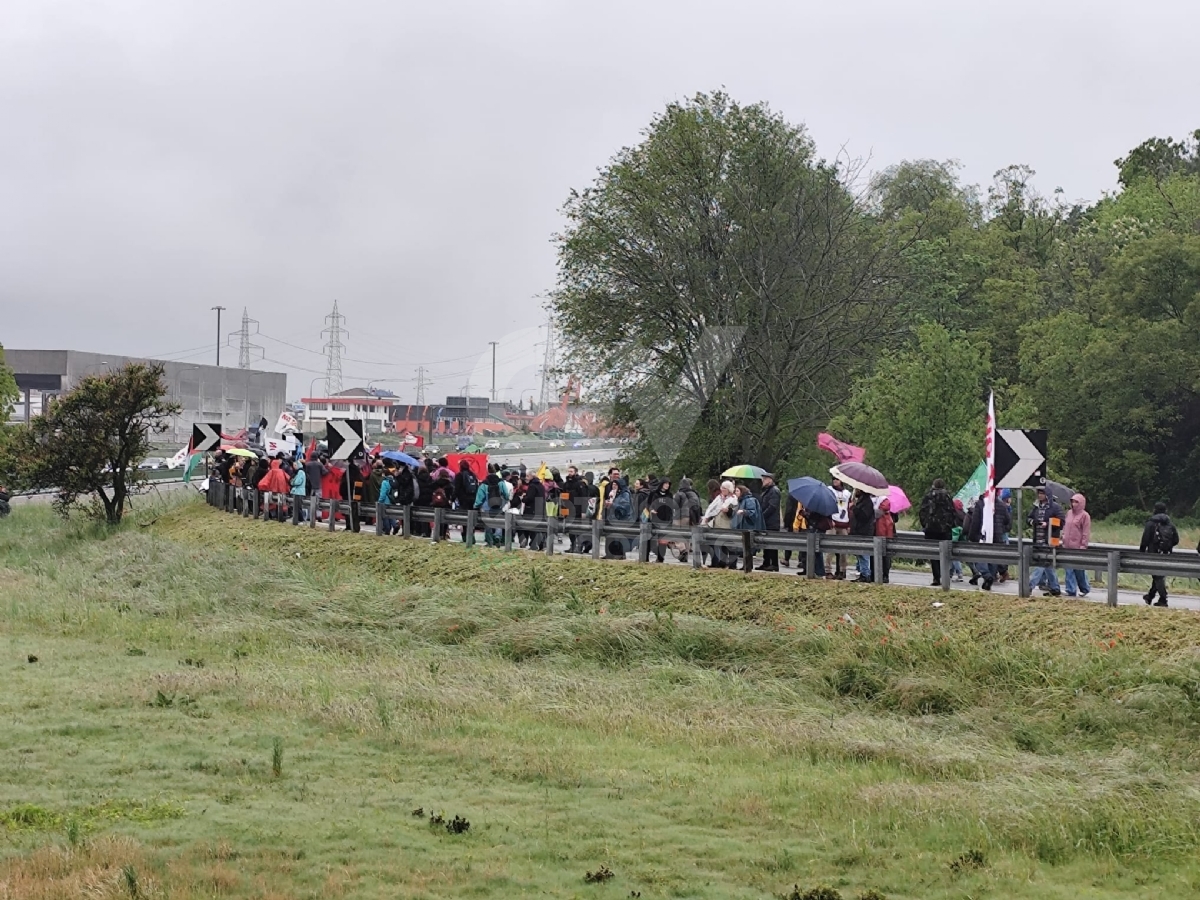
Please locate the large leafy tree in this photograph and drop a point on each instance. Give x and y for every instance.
(87, 446)
(719, 282)
(920, 413)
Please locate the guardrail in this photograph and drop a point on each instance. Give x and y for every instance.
(610, 541)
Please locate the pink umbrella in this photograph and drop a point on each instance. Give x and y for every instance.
(899, 500)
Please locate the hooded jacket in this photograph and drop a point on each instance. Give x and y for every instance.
(275, 480)
(1077, 532)
(748, 515)
(1039, 518)
(687, 502)
(1148, 544)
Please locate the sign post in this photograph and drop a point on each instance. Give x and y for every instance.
(1021, 463)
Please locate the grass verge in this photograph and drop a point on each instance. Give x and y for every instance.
(243, 709)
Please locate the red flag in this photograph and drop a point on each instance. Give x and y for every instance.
(312, 448)
(376, 450)
(843, 451)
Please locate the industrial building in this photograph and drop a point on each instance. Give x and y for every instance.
(234, 397)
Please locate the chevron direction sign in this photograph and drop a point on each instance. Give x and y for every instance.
(344, 436)
(1020, 458)
(205, 437)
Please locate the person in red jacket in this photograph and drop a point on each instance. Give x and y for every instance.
(885, 527)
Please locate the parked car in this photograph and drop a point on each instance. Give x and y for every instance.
(492, 445)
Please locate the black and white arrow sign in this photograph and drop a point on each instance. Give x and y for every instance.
(1020, 458)
(205, 437)
(344, 436)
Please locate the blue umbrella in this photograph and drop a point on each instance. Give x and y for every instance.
(400, 457)
(815, 496)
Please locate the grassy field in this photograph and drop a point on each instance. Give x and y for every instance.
(222, 708)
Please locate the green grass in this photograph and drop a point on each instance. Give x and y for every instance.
(223, 708)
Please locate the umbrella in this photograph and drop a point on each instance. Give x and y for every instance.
(744, 471)
(899, 499)
(397, 456)
(815, 496)
(1060, 492)
(238, 451)
(861, 476)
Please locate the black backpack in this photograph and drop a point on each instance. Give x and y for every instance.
(470, 485)
(938, 512)
(495, 499)
(1166, 537)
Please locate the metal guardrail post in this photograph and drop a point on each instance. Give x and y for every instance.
(297, 505)
(747, 552)
(334, 505)
(697, 550)
(550, 534)
(945, 558)
(469, 534)
(1023, 558)
(877, 554)
(406, 521)
(379, 529)
(508, 532)
(314, 508)
(1114, 570)
(810, 555)
(437, 525)
(597, 538)
(645, 533)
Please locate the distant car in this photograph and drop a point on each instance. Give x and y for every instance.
(577, 444)
(492, 445)
(512, 445)
(432, 451)
(586, 443)
(152, 462)
(557, 444)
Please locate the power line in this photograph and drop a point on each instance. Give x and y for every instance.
(420, 385)
(334, 348)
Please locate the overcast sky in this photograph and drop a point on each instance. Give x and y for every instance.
(410, 159)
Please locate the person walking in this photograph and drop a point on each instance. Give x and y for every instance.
(1001, 523)
(1077, 534)
(1046, 517)
(841, 525)
(769, 500)
(719, 514)
(1159, 536)
(937, 520)
(885, 527)
(862, 524)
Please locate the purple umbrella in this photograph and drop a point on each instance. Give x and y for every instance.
(861, 476)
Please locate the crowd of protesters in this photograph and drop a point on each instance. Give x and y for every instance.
(724, 504)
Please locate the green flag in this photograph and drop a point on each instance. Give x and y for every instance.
(192, 462)
(975, 486)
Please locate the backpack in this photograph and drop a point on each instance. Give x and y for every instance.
(937, 513)
(495, 498)
(439, 498)
(470, 486)
(1166, 537)
(622, 507)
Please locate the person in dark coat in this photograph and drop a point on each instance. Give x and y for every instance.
(937, 520)
(661, 512)
(1001, 524)
(533, 506)
(862, 524)
(314, 471)
(769, 501)
(1159, 536)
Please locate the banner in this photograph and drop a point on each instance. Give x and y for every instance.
(843, 451)
(277, 446)
(975, 486)
(287, 423)
(179, 458)
(477, 461)
(411, 440)
(193, 461)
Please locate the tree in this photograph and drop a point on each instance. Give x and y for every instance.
(718, 282)
(1158, 158)
(921, 412)
(9, 393)
(88, 445)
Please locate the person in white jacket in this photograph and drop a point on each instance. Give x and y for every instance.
(719, 514)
